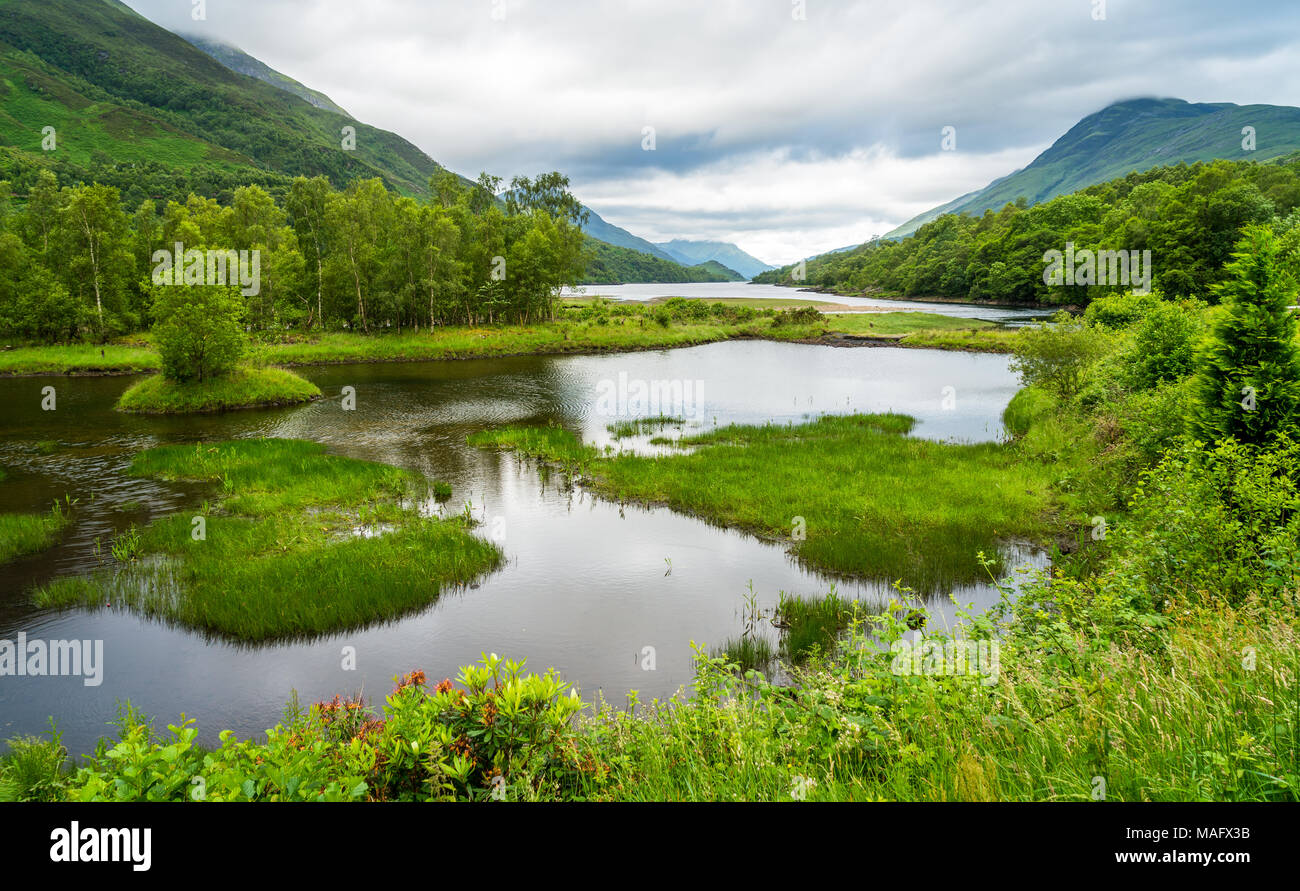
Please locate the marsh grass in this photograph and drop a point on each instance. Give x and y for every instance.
(553, 444)
(34, 769)
(242, 388)
(875, 503)
(282, 556)
(813, 625)
(975, 340)
(748, 653)
(642, 426)
(22, 534)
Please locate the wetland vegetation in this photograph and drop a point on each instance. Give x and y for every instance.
(294, 542)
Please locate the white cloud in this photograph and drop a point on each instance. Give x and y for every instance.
(758, 116)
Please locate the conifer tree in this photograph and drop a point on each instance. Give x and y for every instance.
(1248, 384)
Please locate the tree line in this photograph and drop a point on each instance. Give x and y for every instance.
(76, 265)
(1188, 217)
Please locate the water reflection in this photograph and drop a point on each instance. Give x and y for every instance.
(583, 589)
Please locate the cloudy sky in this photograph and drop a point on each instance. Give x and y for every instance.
(786, 126)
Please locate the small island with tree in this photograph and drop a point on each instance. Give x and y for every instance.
(200, 340)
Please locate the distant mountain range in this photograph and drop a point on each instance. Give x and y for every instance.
(1134, 135)
(597, 227)
(723, 252)
(741, 265)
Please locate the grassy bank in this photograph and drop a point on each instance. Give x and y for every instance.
(22, 534)
(242, 388)
(851, 495)
(78, 359)
(588, 327)
(296, 542)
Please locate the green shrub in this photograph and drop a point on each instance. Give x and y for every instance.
(803, 315)
(197, 330)
(1056, 355)
(1216, 526)
(1164, 344)
(34, 769)
(1248, 386)
(1118, 311)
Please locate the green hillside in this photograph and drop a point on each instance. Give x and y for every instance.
(239, 61)
(1181, 221)
(1135, 135)
(118, 90)
(612, 265)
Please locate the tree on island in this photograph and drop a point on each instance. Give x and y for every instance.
(1248, 386)
(198, 330)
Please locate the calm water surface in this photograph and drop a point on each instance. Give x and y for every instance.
(1010, 316)
(586, 584)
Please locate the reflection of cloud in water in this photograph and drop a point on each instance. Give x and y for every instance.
(583, 587)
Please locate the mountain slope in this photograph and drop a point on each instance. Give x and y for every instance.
(1134, 135)
(597, 227)
(114, 83)
(613, 265)
(239, 61)
(727, 254)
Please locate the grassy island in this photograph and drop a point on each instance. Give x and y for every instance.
(296, 543)
(242, 388)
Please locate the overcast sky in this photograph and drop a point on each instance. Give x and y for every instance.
(783, 133)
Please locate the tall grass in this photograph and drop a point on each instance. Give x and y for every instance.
(282, 554)
(22, 534)
(872, 501)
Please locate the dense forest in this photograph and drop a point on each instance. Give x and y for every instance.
(74, 264)
(1187, 216)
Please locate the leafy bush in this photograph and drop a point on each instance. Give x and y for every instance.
(1118, 311)
(1055, 356)
(1164, 344)
(197, 330)
(504, 735)
(803, 315)
(1216, 526)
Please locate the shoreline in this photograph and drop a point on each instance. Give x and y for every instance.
(1068, 307)
(452, 346)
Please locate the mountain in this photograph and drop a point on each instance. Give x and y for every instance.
(597, 227)
(159, 116)
(237, 60)
(614, 265)
(1129, 136)
(121, 91)
(725, 253)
